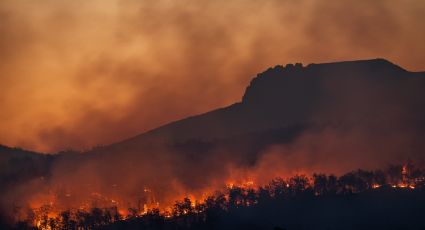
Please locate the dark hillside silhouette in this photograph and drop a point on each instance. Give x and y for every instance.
(286, 102)
(289, 95)
(328, 118)
(18, 166)
(357, 200)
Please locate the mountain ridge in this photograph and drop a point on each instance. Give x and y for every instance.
(266, 85)
(293, 75)
(327, 118)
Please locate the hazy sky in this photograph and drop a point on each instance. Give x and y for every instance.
(78, 73)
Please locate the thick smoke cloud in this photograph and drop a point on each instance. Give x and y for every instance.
(75, 74)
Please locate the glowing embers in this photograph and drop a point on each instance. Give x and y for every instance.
(243, 184)
(115, 205)
(58, 207)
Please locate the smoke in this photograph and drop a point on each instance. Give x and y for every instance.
(75, 74)
(157, 174)
(154, 173)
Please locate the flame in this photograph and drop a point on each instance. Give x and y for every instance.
(243, 184)
(49, 207)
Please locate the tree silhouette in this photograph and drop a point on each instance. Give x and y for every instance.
(224, 209)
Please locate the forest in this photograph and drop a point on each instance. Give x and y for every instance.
(393, 198)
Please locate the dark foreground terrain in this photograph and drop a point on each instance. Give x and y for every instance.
(381, 209)
(383, 199)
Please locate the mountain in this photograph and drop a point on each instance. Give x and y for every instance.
(6, 152)
(18, 166)
(331, 118)
(299, 96)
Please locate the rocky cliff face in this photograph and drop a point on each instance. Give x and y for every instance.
(341, 91)
(355, 91)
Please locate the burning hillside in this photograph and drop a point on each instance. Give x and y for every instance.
(292, 120)
(104, 211)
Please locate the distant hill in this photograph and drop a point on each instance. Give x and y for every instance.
(18, 166)
(5, 150)
(333, 116)
(296, 96)
(300, 96)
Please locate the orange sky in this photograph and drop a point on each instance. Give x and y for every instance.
(74, 74)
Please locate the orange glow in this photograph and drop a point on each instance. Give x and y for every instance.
(376, 186)
(47, 206)
(51, 203)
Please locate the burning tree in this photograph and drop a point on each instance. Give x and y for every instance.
(191, 213)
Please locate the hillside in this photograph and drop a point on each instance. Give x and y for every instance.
(327, 118)
(320, 94)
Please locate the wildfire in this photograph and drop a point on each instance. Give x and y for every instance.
(47, 209)
(244, 184)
